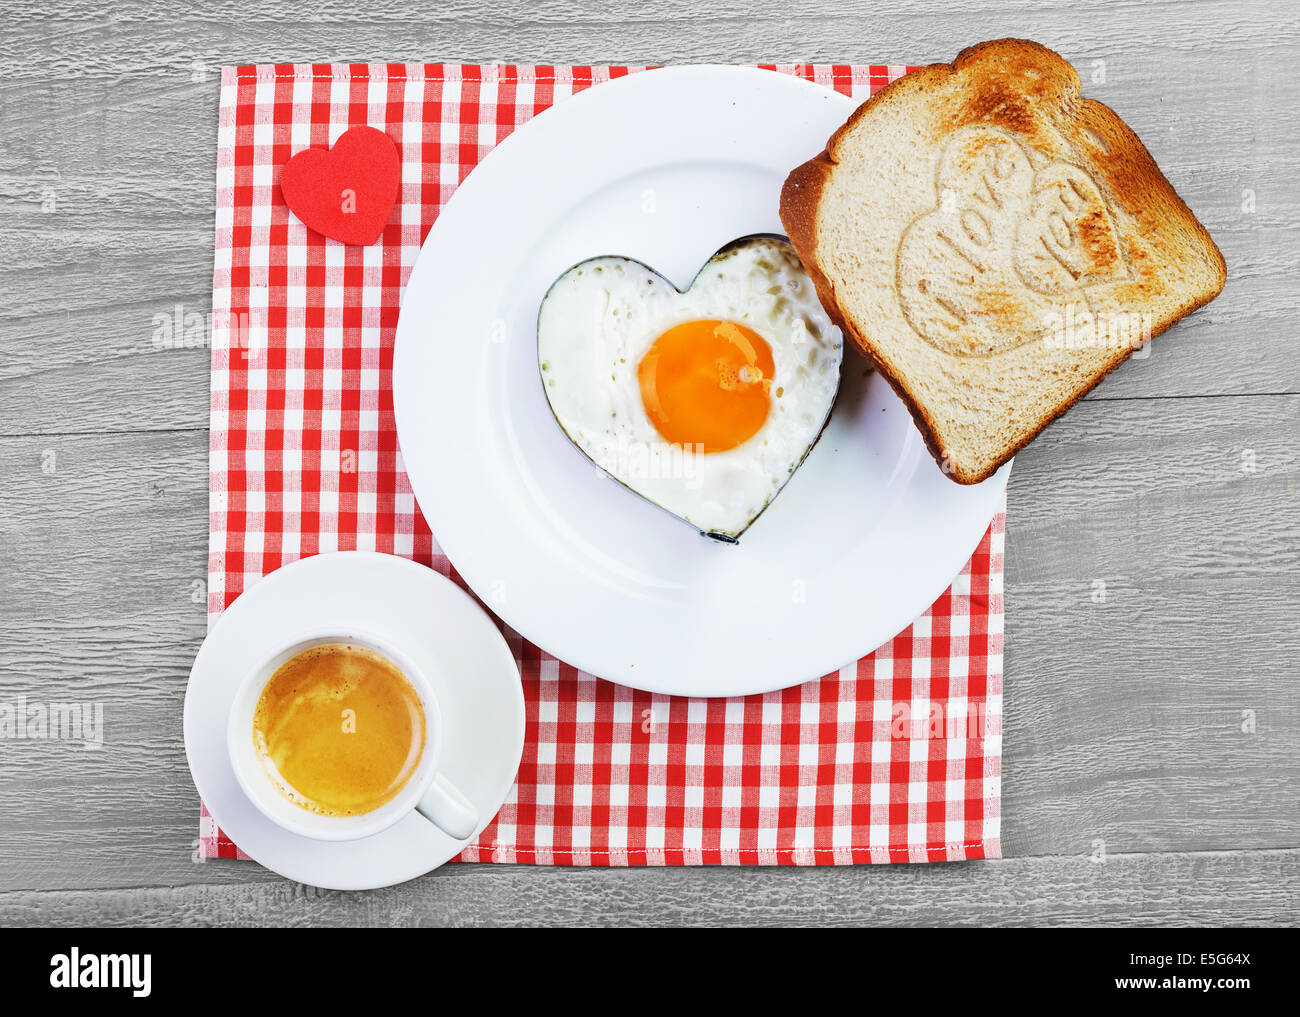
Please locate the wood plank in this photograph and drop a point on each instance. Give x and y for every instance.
(1182, 514)
(1231, 888)
(83, 42)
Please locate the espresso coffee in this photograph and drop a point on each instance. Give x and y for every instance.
(339, 729)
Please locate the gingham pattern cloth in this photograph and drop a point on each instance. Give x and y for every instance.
(894, 758)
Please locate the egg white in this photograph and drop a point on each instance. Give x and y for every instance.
(601, 317)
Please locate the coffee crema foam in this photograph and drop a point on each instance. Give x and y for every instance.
(339, 729)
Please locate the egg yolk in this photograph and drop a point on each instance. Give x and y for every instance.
(707, 383)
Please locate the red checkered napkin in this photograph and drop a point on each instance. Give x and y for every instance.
(894, 758)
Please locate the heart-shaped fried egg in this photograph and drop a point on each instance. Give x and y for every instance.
(704, 402)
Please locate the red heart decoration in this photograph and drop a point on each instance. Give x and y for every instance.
(348, 191)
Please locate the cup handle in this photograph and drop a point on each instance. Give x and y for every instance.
(447, 808)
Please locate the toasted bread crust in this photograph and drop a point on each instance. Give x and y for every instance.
(801, 199)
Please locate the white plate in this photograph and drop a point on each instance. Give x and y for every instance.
(441, 629)
(666, 167)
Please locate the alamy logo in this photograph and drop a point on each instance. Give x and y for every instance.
(75, 970)
(75, 722)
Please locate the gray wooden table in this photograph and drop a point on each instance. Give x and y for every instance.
(1152, 737)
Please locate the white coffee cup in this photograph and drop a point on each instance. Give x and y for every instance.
(427, 792)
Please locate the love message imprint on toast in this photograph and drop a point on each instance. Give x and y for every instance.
(1015, 243)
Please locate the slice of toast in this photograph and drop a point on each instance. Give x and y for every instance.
(995, 244)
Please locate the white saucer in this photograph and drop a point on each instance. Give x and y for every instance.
(440, 627)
